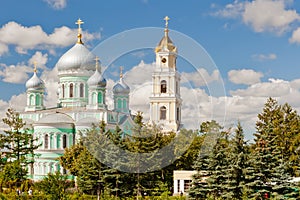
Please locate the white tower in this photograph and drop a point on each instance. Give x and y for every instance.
(165, 101)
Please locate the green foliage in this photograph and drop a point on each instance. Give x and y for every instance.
(17, 140)
(55, 185)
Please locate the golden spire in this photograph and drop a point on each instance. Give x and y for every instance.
(121, 72)
(35, 66)
(97, 62)
(79, 35)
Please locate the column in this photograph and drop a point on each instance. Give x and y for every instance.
(181, 186)
(175, 187)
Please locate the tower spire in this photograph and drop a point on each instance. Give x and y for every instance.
(121, 71)
(35, 66)
(166, 25)
(79, 35)
(97, 63)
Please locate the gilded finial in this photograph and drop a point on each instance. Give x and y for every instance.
(121, 72)
(97, 62)
(166, 25)
(167, 21)
(35, 66)
(79, 35)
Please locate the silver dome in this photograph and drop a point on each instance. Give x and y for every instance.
(35, 82)
(78, 57)
(121, 87)
(97, 79)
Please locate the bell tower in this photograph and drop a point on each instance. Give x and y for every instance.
(165, 101)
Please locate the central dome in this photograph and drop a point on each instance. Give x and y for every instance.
(77, 58)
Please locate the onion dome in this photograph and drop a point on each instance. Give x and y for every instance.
(35, 82)
(121, 87)
(78, 57)
(97, 79)
(166, 43)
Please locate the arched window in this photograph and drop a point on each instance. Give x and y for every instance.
(71, 90)
(119, 104)
(163, 113)
(37, 100)
(81, 90)
(46, 141)
(94, 98)
(124, 103)
(64, 141)
(163, 86)
(63, 90)
(100, 98)
(177, 114)
(31, 100)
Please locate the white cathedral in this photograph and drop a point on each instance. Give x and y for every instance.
(81, 101)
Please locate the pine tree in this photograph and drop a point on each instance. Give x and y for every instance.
(18, 141)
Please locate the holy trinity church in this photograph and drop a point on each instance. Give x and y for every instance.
(81, 101)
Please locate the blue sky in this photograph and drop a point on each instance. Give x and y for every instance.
(254, 44)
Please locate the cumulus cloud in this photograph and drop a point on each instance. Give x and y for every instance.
(15, 73)
(261, 15)
(273, 88)
(295, 36)
(264, 57)
(27, 38)
(244, 76)
(57, 4)
(231, 10)
(201, 77)
(269, 15)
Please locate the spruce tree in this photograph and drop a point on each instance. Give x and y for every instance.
(235, 178)
(18, 141)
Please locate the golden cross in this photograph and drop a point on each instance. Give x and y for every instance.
(97, 62)
(167, 21)
(121, 71)
(79, 22)
(35, 66)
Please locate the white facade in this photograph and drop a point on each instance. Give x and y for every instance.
(182, 181)
(165, 101)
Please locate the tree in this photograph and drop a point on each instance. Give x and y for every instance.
(55, 185)
(212, 163)
(283, 124)
(235, 176)
(18, 141)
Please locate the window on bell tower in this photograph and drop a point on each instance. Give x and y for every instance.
(163, 113)
(163, 86)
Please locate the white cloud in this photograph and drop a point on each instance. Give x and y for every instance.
(40, 58)
(264, 57)
(273, 88)
(261, 15)
(15, 73)
(269, 15)
(201, 77)
(57, 4)
(295, 36)
(244, 76)
(231, 10)
(27, 38)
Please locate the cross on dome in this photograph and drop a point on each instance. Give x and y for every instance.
(121, 71)
(79, 22)
(35, 66)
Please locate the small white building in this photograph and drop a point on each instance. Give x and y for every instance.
(182, 180)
